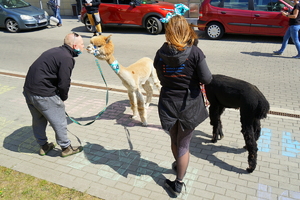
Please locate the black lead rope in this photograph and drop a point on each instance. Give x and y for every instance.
(103, 110)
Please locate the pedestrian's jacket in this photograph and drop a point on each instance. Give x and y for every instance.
(91, 9)
(50, 74)
(180, 74)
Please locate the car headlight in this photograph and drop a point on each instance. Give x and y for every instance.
(26, 17)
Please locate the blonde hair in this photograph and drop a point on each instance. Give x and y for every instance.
(179, 33)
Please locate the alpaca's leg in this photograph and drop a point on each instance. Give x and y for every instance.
(141, 107)
(251, 146)
(247, 120)
(256, 128)
(149, 92)
(215, 112)
(133, 103)
(220, 133)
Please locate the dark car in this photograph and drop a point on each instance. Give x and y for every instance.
(144, 14)
(257, 17)
(16, 15)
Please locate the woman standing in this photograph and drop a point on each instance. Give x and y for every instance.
(181, 67)
(293, 30)
(92, 8)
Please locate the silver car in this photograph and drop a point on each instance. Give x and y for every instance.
(16, 15)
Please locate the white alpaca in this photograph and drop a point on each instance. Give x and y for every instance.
(138, 74)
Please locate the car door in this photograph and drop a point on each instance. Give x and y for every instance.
(119, 12)
(235, 16)
(128, 14)
(109, 12)
(267, 18)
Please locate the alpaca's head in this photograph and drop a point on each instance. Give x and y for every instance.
(101, 46)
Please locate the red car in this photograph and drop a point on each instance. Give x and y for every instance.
(254, 17)
(144, 14)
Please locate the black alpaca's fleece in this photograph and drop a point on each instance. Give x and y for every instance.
(227, 92)
(234, 93)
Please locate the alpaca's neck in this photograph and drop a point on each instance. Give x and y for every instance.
(110, 60)
(114, 64)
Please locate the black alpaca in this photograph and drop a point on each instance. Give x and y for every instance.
(227, 92)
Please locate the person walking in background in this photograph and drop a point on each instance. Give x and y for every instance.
(46, 88)
(293, 29)
(92, 8)
(56, 11)
(181, 67)
(78, 6)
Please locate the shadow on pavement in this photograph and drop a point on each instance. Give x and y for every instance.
(203, 148)
(23, 141)
(113, 29)
(255, 53)
(243, 38)
(116, 111)
(125, 162)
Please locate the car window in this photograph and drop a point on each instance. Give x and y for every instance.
(215, 3)
(234, 4)
(124, 2)
(14, 3)
(268, 5)
(108, 1)
(139, 2)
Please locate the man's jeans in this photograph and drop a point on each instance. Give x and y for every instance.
(56, 12)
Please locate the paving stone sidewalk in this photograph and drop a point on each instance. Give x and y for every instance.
(123, 160)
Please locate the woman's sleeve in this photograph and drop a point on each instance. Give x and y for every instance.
(203, 71)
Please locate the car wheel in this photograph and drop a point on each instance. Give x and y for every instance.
(214, 31)
(88, 25)
(153, 25)
(12, 26)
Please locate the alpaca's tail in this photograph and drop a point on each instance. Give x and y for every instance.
(154, 77)
(263, 106)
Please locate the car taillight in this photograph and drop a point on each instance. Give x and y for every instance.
(200, 14)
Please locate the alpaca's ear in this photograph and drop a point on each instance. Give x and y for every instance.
(107, 40)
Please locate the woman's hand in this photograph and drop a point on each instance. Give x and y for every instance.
(284, 13)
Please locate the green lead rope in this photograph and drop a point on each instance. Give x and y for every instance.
(103, 110)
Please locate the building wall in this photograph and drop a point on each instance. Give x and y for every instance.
(68, 6)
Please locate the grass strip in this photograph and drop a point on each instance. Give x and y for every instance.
(17, 185)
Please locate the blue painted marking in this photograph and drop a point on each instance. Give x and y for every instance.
(265, 192)
(290, 147)
(264, 141)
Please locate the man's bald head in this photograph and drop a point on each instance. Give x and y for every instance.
(72, 39)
